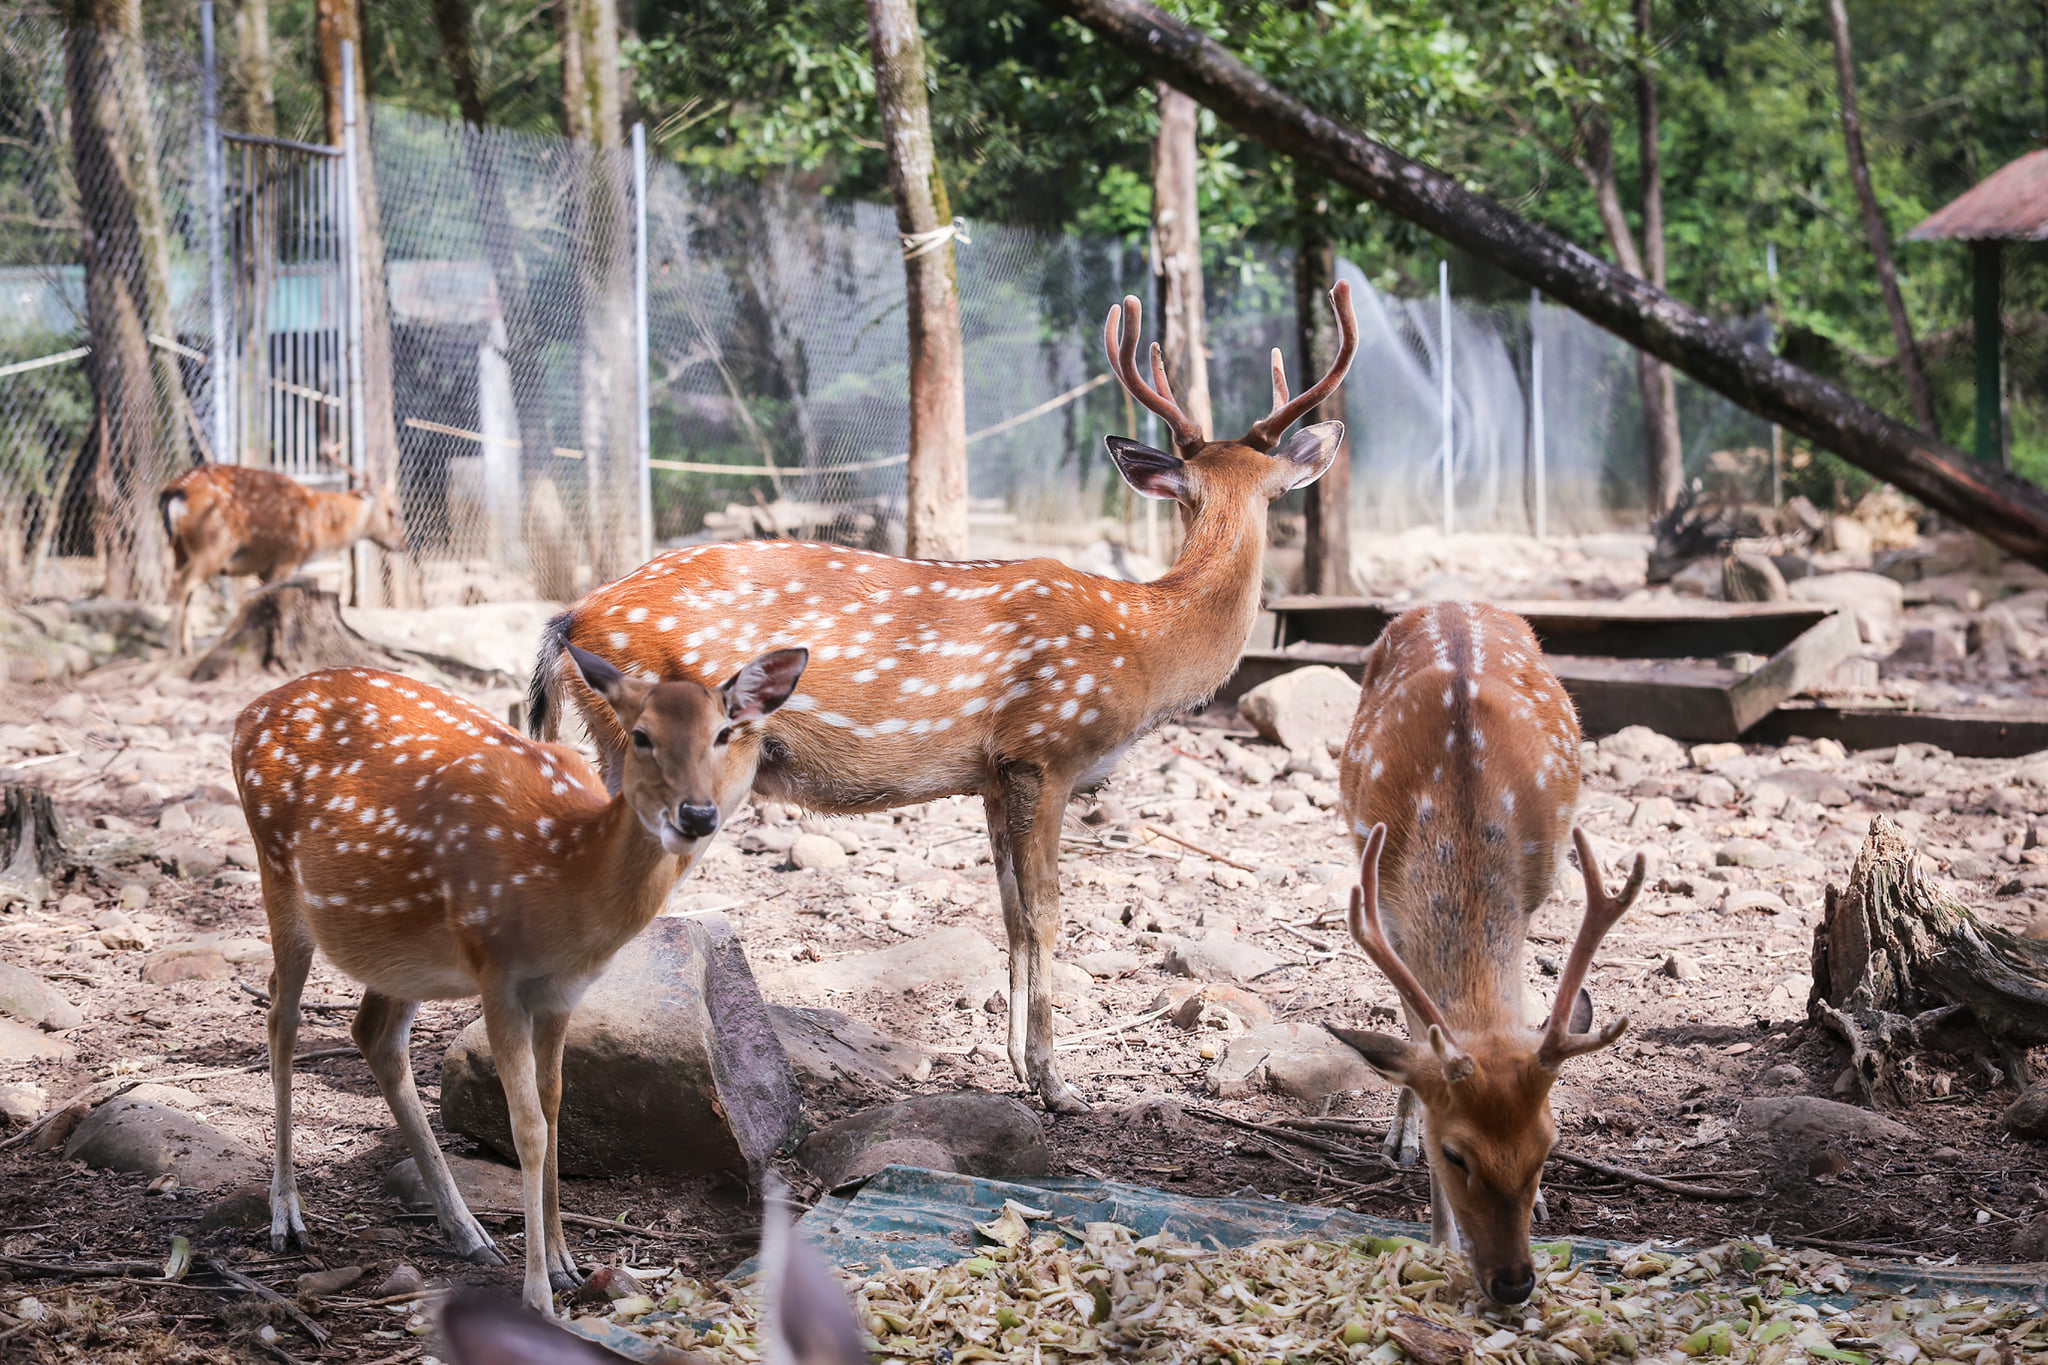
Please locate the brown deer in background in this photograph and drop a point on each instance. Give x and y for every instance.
(1020, 682)
(1459, 780)
(228, 518)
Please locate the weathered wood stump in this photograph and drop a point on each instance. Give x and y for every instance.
(1900, 965)
(32, 853)
(295, 627)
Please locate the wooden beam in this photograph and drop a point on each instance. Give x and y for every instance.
(1990, 501)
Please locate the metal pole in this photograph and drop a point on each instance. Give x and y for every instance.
(1777, 432)
(1443, 288)
(646, 438)
(216, 261)
(1536, 451)
(352, 276)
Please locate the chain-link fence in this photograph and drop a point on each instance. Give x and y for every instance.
(534, 450)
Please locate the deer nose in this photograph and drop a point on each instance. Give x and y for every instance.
(697, 821)
(1512, 1286)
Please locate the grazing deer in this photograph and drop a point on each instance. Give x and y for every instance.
(433, 854)
(228, 518)
(1459, 780)
(805, 1319)
(1020, 682)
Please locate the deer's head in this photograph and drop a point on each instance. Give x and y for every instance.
(1486, 1098)
(1198, 470)
(678, 733)
(382, 521)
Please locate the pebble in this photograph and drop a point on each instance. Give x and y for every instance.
(404, 1279)
(817, 852)
(175, 818)
(318, 1284)
(186, 962)
(1785, 1075)
(1707, 755)
(1219, 959)
(2028, 1115)
(1745, 853)
(1744, 902)
(1715, 790)
(1681, 967)
(134, 895)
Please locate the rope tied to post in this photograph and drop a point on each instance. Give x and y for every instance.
(916, 244)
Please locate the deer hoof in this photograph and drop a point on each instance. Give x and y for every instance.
(564, 1280)
(1060, 1098)
(483, 1252)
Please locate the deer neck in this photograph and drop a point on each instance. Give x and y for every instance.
(1209, 599)
(342, 517)
(617, 870)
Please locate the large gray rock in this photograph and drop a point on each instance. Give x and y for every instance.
(29, 998)
(970, 1132)
(1219, 959)
(143, 1132)
(671, 1064)
(2028, 1115)
(20, 1043)
(1309, 709)
(953, 955)
(827, 1048)
(1808, 1118)
(1878, 603)
(1306, 1061)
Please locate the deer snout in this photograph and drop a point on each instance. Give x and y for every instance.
(697, 821)
(1512, 1284)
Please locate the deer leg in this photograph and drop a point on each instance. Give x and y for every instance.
(383, 1030)
(995, 802)
(1034, 807)
(511, 1027)
(549, 1029)
(1403, 1145)
(287, 983)
(1443, 1221)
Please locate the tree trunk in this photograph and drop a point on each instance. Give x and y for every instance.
(1177, 242)
(2001, 507)
(1663, 444)
(256, 106)
(608, 363)
(33, 858)
(389, 582)
(523, 348)
(1326, 557)
(1899, 964)
(935, 523)
(1873, 226)
(138, 389)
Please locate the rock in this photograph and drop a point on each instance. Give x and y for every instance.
(141, 1133)
(993, 1136)
(817, 852)
(175, 818)
(1231, 1009)
(1707, 755)
(30, 999)
(403, 1279)
(1878, 603)
(2030, 1243)
(20, 1043)
(2027, 1116)
(242, 951)
(134, 895)
(119, 934)
(1745, 853)
(769, 839)
(1680, 967)
(242, 1208)
(826, 1047)
(1109, 962)
(318, 1284)
(1308, 709)
(186, 962)
(1847, 535)
(1191, 812)
(193, 861)
(1306, 1061)
(1219, 959)
(1641, 744)
(671, 1064)
(1744, 902)
(1715, 790)
(1928, 645)
(482, 1184)
(22, 1103)
(1767, 799)
(1784, 1075)
(1809, 1118)
(955, 954)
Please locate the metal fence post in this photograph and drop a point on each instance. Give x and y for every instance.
(1443, 288)
(352, 289)
(644, 438)
(220, 386)
(1536, 435)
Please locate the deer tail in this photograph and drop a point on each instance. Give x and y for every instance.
(543, 720)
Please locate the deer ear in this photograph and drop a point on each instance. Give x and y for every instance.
(763, 685)
(1153, 473)
(1392, 1057)
(1312, 451)
(805, 1318)
(623, 693)
(483, 1331)
(1582, 1011)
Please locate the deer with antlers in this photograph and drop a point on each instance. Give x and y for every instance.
(1020, 682)
(433, 854)
(1459, 780)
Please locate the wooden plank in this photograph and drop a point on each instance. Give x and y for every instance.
(1629, 630)
(1969, 735)
(1803, 663)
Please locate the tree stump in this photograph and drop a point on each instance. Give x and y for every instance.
(294, 627)
(1899, 965)
(32, 852)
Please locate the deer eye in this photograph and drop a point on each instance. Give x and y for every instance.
(642, 742)
(1456, 1159)
(724, 736)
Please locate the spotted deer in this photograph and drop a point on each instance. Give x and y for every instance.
(1459, 781)
(432, 854)
(227, 518)
(1020, 682)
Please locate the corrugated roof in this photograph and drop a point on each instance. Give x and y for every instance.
(2010, 203)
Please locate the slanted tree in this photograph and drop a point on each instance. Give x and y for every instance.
(1177, 251)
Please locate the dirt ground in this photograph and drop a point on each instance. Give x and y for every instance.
(1714, 979)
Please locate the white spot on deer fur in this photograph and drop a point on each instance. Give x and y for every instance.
(1379, 766)
(618, 639)
(865, 675)
(1068, 707)
(972, 705)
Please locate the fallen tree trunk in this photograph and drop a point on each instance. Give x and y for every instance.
(1900, 965)
(1997, 505)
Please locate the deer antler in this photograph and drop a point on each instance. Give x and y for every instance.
(1371, 936)
(1602, 912)
(1265, 432)
(1120, 339)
